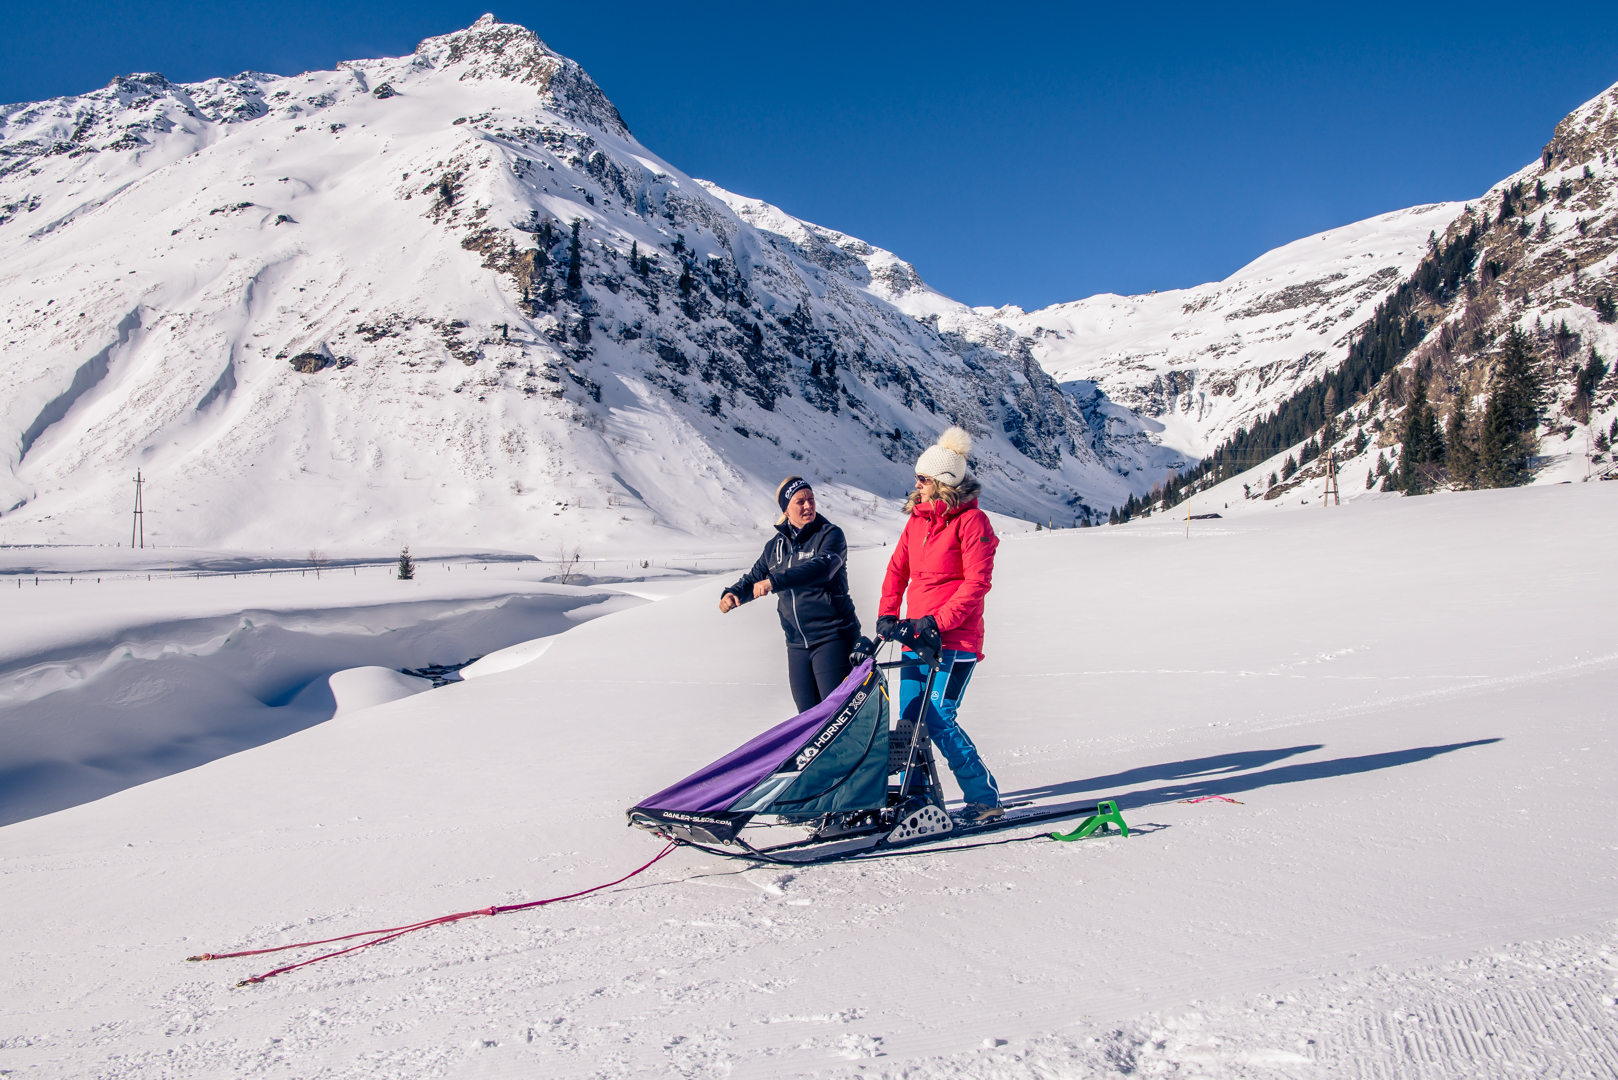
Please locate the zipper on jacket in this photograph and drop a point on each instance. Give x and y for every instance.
(803, 637)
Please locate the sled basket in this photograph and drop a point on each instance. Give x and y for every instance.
(831, 759)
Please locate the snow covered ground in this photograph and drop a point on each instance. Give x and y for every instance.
(116, 676)
(1405, 707)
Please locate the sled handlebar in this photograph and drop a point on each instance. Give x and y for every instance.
(924, 656)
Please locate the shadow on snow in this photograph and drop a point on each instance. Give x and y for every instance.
(1226, 774)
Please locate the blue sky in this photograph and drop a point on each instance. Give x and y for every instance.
(1016, 153)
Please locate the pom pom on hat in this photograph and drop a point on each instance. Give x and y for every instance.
(945, 460)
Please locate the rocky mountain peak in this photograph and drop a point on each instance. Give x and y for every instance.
(490, 49)
(1587, 134)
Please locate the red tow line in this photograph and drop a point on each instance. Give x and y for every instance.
(379, 936)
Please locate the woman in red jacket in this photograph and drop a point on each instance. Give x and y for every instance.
(942, 566)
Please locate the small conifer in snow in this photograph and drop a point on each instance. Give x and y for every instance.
(575, 280)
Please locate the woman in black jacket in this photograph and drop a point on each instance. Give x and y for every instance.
(806, 565)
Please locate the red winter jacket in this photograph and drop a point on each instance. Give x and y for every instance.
(946, 556)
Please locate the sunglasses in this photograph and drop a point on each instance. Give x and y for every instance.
(924, 479)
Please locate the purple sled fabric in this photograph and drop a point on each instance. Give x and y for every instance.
(713, 788)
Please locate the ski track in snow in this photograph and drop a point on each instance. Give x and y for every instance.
(1540, 1009)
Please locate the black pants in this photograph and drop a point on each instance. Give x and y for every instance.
(818, 670)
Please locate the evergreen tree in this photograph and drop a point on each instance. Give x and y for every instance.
(634, 255)
(407, 565)
(1288, 467)
(1606, 308)
(1460, 457)
(1585, 381)
(1539, 191)
(549, 295)
(1565, 341)
(575, 280)
(1274, 479)
(1423, 452)
(1509, 437)
(686, 282)
(1370, 479)
(1112, 518)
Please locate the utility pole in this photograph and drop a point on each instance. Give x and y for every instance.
(1331, 482)
(139, 524)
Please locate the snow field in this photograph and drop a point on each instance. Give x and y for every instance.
(107, 685)
(1409, 700)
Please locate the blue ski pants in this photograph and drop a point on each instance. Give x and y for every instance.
(977, 783)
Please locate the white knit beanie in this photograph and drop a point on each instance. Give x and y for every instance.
(945, 460)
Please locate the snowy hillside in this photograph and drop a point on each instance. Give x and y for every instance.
(1200, 363)
(1527, 275)
(1374, 843)
(1529, 271)
(343, 306)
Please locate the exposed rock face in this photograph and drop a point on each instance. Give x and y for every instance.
(312, 311)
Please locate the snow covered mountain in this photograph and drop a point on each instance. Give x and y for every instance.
(1200, 363)
(1538, 252)
(1535, 259)
(344, 306)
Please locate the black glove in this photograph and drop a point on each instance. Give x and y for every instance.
(863, 649)
(886, 627)
(920, 635)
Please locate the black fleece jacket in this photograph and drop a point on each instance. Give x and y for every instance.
(808, 572)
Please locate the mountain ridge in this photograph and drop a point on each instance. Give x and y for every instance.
(360, 283)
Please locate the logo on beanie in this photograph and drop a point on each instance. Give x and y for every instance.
(790, 490)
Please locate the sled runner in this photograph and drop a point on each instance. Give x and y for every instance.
(856, 781)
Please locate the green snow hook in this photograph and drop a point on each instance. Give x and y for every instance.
(1105, 817)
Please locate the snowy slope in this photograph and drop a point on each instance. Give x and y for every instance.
(318, 309)
(1200, 363)
(112, 681)
(1412, 875)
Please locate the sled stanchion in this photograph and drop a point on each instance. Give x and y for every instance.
(1102, 820)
